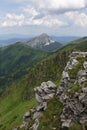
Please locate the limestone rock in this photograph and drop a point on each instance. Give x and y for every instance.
(26, 116)
(43, 93)
(85, 65)
(75, 106)
(71, 64)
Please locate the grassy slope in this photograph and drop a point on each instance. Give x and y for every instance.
(80, 44)
(15, 97)
(13, 106)
(16, 60)
(51, 117)
(21, 90)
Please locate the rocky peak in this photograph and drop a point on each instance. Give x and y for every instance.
(42, 41)
(43, 35)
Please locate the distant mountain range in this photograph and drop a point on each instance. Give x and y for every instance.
(10, 39)
(65, 39)
(5, 42)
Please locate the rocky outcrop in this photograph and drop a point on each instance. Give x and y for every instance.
(78, 54)
(75, 106)
(65, 81)
(43, 93)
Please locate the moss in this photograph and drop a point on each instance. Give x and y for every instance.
(85, 125)
(51, 117)
(76, 127)
(74, 88)
(28, 126)
(85, 83)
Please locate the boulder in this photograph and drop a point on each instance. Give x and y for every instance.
(66, 124)
(84, 90)
(43, 93)
(35, 125)
(65, 75)
(26, 117)
(71, 64)
(85, 65)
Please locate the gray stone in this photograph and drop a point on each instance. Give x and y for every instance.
(65, 75)
(15, 129)
(27, 114)
(85, 65)
(66, 123)
(71, 64)
(81, 96)
(36, 115)
(26, 117)
(35, 125)
(75, 106)
(84, 90)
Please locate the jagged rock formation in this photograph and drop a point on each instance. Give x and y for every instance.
(73, 94)
(43, 93)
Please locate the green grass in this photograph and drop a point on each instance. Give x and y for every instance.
(77, 45)
(13, 105)
(14, 98)
(13, 117)
(76, 127)
(74, 88)
(17, 60)
(51, 117)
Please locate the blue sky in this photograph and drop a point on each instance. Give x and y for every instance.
(33, 17)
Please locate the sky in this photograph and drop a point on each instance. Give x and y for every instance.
(33, 17)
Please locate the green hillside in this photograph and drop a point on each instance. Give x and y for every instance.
(16, 60)
(77, 45)
(18, 97)
(23, 68)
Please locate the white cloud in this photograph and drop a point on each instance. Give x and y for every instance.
(53, 21)
(79, 19)
(30, 11)
(46, 13)
(55, 4)
(62, 4)
(12, 20)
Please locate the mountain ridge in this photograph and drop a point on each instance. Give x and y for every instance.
(15, 59)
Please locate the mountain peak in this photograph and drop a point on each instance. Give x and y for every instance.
(43, 42)
(44, 34)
